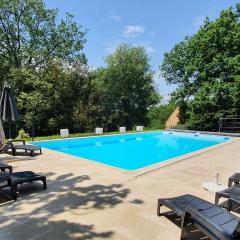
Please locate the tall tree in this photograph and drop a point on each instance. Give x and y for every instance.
(38, 56)
(126, 85)
(206, 68)
(30, 35)
(88, 109)
(54, 96)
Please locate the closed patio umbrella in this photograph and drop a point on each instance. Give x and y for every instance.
(2, 135)
(8, 109)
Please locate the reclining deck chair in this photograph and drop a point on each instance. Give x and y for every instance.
(214, 221)
(12, 180)
(10, 145)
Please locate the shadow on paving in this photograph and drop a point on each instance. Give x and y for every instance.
(66, 193)
(195, 233)
(8, 157)
(44, 229)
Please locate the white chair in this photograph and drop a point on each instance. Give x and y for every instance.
(64, 133)
(122, 129)
(139, 128)
(99, 131)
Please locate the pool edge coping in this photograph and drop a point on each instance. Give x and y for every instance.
(235, 135)
(156, 166)
(99, 135)
(175, 160)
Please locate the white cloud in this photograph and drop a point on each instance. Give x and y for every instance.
(148, 47)
(114, 16)
(133, 30)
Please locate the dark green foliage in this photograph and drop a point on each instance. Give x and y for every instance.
(30, 35)
(212, 102)
(44, 64)
(206, 68)
(88, 110)
(158, 115)
(40, 59)
(126, 87)
(52, 96)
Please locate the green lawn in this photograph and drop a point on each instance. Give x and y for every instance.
(75, 135)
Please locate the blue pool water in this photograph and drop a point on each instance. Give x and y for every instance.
(134, 151)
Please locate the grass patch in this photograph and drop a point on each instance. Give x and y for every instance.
(76, 135)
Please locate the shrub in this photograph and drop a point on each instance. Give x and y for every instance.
(22, 134)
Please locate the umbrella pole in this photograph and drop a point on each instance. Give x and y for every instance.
(9, 130)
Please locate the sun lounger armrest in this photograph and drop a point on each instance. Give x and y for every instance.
(197, 218)
(235, 200)
(232, 201)
(227, 193)
(16, 140)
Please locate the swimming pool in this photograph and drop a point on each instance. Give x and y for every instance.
(134, 151)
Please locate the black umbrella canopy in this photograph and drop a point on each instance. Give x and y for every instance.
(8, 108)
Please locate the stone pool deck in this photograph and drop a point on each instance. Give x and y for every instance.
(86, 200)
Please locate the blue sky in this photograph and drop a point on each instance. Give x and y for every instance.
(155, 24)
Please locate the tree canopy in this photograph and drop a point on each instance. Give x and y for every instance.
(30, 35)
(206, 68)
(127, 87)
(41, 57)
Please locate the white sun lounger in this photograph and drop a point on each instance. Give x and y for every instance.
(99, 131)
(139, 128)
(122, 129)
(64, 133)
